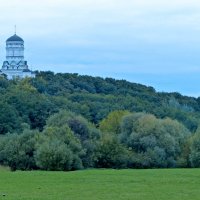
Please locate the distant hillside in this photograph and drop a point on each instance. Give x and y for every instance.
(70, 122)
(32, 101)
(95, 97)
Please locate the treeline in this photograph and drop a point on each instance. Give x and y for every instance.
(123, 140)
(69, 122)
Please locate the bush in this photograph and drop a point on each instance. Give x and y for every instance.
(58, 149)
(157, 142)
(17, 150)
(54, 155)
(110, 153)
(195, 150)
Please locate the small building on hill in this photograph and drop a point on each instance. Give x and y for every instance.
(15, 66)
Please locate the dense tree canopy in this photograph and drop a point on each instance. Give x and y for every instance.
(159, 142)
(69, 122)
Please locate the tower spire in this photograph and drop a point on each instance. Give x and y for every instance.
(15, 29)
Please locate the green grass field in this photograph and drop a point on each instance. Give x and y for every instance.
(163, 184)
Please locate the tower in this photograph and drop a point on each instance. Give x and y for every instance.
(15, 65)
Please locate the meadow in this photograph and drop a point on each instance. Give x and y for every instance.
(154, 184)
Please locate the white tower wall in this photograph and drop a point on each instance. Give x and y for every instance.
(15, 51)
(15, 65)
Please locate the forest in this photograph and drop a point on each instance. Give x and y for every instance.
(63, 121)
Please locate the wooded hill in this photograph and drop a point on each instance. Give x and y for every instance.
(134, 117)
(32, 101)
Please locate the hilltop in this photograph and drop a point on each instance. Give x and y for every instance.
(92, 97)
(70, 121)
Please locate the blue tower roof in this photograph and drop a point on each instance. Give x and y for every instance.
(14, 38)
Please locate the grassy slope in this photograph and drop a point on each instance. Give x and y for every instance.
(164, 184)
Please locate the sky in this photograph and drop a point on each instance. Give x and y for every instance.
(152, 42)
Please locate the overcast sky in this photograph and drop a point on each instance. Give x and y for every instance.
(153, 42)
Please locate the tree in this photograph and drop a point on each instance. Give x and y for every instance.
(112, 123)
(78, 124)
(81, 129)
(17, 150)
(53, 154)
(195, 149)
(58, 149)
(157, 142)
(10, 120)
(110, 153)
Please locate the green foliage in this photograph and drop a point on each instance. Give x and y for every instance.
(79, 125)
(10, 120)
(17, 151)
(112, 123)
(195, 150)
(54, 155)
(83, 131)
(110, 153)
(82, 121)
(158, 143)
(34, 100)
(58, 149)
